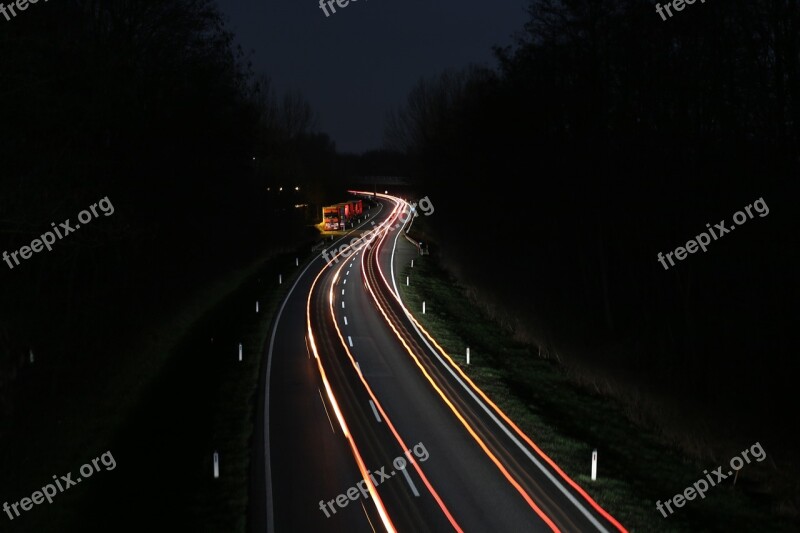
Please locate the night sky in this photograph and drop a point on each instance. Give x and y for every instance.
(358, 63)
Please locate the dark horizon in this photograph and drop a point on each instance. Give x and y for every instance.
(360, 63)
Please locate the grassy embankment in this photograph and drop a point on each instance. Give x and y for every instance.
(172, 398)
(568, 421)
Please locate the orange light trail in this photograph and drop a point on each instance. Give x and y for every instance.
(387, 522)
(546, 519)
(605, 514)
(389, 423)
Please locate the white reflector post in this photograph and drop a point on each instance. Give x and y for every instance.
(423, 308)
(31, 355)
(594, 465)
(412, 263)
(467, 355)
(280, 279)
(256, 306)
(216, 465)
(240, 351)
(296, 261)
(406, 281)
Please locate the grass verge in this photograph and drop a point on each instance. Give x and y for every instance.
(172, 399)
(567, 421)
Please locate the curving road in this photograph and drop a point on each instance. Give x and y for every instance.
(368, 425)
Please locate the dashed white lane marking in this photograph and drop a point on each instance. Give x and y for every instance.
(375, 411)
(410, 483)
(350, 341)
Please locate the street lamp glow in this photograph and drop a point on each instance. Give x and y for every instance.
(297, 188)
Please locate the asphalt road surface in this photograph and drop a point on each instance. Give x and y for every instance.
(367, 425)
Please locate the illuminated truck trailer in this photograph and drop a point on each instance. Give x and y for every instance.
(337, 216)
(332, 217)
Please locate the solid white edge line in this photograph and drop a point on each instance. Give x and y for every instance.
(268, 458)
(585, 512)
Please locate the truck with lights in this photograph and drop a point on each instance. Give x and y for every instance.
(336, 217)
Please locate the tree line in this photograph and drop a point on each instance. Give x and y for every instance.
(153, 105)
(602, 137)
